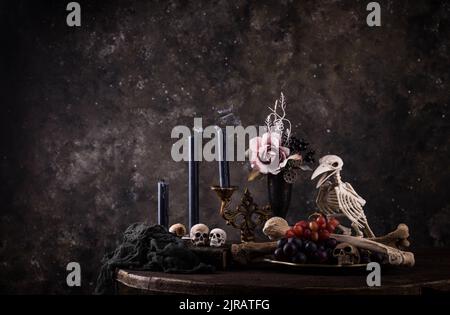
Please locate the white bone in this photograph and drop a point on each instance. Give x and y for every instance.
(397, 238)
(275, 228)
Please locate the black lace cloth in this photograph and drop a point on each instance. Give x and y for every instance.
(148, 248)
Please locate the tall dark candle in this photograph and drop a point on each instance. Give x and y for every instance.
(163, 203)
(193, 184)
(224, 170)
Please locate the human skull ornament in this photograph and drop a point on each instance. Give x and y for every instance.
(199, 234)
(178, 229)
(346, 254)
(217, 237)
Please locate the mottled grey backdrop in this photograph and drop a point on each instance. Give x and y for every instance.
(87, 115)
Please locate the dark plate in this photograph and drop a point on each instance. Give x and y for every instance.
(313, 266)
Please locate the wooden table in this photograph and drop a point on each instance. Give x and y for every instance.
(431, 274)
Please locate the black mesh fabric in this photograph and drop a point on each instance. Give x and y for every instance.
(148, 248)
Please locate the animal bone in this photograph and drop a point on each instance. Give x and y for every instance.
(397, 238)
(395, 256)
(199, 234)
(245, 253)
(217, 237)
(346, 254)
(275, 228)
(178, 229)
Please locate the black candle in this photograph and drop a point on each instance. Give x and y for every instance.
(193, 184)
(163, 203)
(224, 170)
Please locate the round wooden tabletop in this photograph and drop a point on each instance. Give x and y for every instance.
(430, 274)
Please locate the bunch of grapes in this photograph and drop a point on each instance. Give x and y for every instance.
(308, 242)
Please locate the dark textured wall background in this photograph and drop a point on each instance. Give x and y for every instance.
(87, 114)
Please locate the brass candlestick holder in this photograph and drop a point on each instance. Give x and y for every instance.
(245, 217)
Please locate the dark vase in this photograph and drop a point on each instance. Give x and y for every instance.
(279, 194)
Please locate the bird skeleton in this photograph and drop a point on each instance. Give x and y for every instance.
(337, 198)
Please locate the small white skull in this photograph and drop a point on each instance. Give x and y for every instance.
(346, 254)
(178, 229)
(199, 234)
(217, 237)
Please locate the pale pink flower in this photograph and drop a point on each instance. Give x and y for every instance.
(267, 155)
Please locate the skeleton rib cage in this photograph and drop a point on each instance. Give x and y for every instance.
(341, 198)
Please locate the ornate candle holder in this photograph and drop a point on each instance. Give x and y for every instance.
(245, 217)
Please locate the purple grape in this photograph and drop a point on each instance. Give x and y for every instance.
(321, 248)
(289, 249)
(297, 242)
(281, 242)
(279, 255)
(331, 243)
(310, 247)
(322, 256)
(300, 258)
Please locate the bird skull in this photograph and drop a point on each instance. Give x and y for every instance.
(217, 238)
(346, 254)
(328, 166)
(199, 234)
